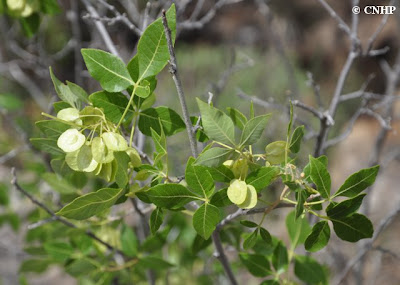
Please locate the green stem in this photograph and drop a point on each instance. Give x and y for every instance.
(133, 129)
(318, 215)
(62, 121)
(135, 86)
(224, 145)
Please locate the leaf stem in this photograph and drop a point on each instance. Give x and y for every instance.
(135, 86)
(319, 215)
(133, 129)
(59, 120)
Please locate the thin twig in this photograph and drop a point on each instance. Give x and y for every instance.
(374, 36)
(242, 212)
(100, 27)
(316, 88)
(190, 25)
(178, 85)
(342, 25)
(220, 254)
(308, 108)
(258, 101)
(118, 17)
(354, 52)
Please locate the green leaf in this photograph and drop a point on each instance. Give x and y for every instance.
(213, 157)
(153, 52)
(79, 92)
(170, 195)
(30, 25)
(154, 263)
(129, 241)
(309, 270)
(275, 152)
(250, 241)
(345, 208)
(150, 119)
(50, 7)
(35, 265)
(289, 128)
(251, 110)
(301, 198)
(248, 224)
(320, 176)
(220, 198)
(237, 117)
(199, 244)
(58, 106)
(295, 141)
(47, 145)
(262, 177)
(318, 237)
(108, 69)
(77, 179)
(113, 105)
(121, 175)
(156, 219)
(217, 125)
(199, 179)
(280, 258)
(307, 169)
(157, 241)
(253, 130)
(358, 181)
(51, 128)
(90, 204)
(205, 220)
(266, 236)
(58, 183)
(353, 228)
(70, 93)
(80, 267)
(221, 173)
(298, 229)
(256, 264)
(59, 251)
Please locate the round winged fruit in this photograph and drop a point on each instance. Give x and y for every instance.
(70, 115)
(237, 191)
(240, 168)
(134, 156)
(251, 198)
(100, 151)
(275, 152)
(81, 160)
(71, 140)
(30, 7)
(16, 6)
(114, 141)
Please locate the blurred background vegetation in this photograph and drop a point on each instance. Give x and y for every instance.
(242, 52)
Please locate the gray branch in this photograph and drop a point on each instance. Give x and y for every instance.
(178, 85)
